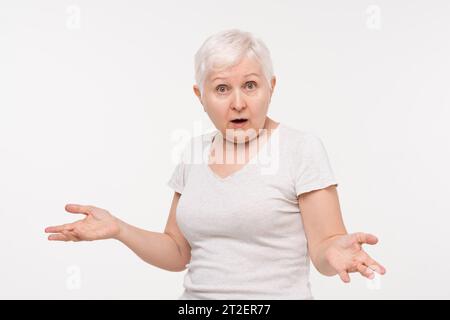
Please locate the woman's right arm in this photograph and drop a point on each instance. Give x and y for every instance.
(168, 250)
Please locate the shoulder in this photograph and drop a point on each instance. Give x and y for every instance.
(298, 139)
(194, 149)
(303, 149)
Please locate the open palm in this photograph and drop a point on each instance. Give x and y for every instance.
(98, 224)
(346, 255)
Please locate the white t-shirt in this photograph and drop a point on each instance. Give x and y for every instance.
(245, 230)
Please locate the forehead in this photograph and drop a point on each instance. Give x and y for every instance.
(245, 67)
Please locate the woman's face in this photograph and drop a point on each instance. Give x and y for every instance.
(239, 92)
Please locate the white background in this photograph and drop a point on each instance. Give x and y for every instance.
(91, 93)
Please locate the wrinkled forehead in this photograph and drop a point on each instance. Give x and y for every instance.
(245, 68)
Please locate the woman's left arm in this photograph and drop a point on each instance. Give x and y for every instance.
(332, 250)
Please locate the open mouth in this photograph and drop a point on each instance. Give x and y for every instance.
(239, 123)
(240, 120)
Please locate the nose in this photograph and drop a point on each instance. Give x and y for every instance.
(238, 102)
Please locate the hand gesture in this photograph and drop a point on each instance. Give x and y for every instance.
(346, 255)
(97, 224)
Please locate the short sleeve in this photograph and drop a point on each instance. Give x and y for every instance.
(177, 180)
(312, 168)
(180, 174)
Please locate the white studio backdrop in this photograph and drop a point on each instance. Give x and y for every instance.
(92, 94)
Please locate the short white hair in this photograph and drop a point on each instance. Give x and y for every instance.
(226, 49)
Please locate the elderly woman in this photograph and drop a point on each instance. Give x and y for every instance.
(242, 229)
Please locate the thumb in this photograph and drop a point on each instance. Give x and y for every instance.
(368, 238)
(76, 208)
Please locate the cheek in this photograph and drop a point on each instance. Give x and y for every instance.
(217, 108)
(216, 102)
(258, 104)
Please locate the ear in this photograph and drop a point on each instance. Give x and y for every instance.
(198, 94)
(273, 82)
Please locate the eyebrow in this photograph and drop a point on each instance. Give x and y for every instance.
(250, 74)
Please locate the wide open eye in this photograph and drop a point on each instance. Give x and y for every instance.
(221, 88)
(250, 85)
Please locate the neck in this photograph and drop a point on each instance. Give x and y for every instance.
(247, 146)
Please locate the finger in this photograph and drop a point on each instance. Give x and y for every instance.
(74, 235)
(368, 238)
(344, 276)
(371, 263)
(76, 208)
(375, 266)
(70, 235)
(57, 237)
(365, 271)
(60, 228)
